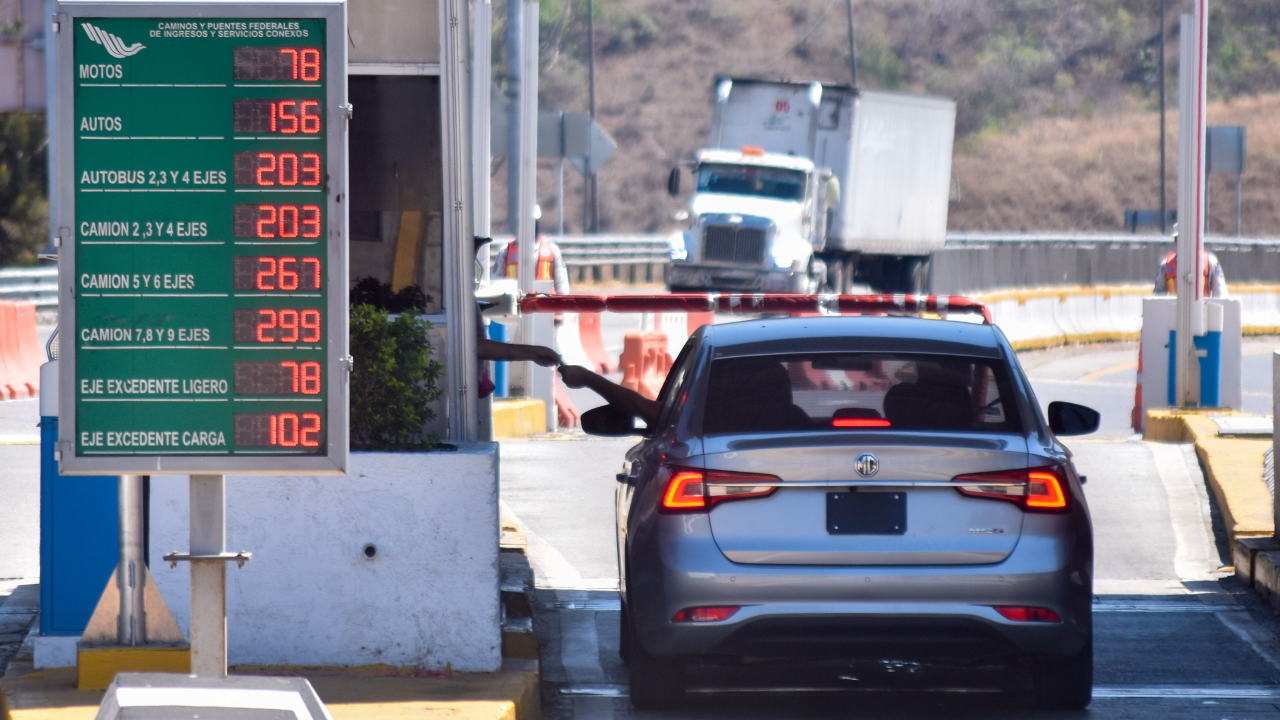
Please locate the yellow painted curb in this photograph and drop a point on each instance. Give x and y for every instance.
(98, 666)
(518, 418)
(1233, 467)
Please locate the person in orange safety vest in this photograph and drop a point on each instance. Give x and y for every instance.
(1214, 282)
(549, 265)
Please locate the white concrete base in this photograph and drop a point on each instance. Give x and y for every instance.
(310, 596)
(54, 651)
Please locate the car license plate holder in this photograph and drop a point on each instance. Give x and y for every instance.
(866, 513)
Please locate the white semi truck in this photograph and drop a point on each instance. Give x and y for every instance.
(806, 186)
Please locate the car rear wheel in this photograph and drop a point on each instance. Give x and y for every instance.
(656, 683)
(1063, 683)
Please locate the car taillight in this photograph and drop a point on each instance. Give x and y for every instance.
(860, 423)
(685, 491)
(1029, 614)
(1037, 490)
(705, 614)
(693, 490)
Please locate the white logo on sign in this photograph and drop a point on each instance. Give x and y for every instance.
(114, 45)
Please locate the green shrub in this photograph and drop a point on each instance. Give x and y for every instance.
(393, 381)
(24, 206)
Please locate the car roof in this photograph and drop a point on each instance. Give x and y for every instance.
(857, 333)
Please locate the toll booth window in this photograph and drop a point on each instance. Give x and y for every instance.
(396, 183)
(858, 392)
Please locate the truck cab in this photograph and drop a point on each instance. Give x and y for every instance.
(757, 222)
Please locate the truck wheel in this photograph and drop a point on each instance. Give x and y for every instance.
(912, 275)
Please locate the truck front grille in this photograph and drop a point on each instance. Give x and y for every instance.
(734, 244)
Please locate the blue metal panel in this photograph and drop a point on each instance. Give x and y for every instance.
(79, 540)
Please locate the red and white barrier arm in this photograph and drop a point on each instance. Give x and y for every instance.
(755, 303)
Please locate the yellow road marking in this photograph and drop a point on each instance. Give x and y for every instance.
(1103, 373)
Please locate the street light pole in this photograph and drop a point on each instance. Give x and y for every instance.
(1164, 211)
(590, 198)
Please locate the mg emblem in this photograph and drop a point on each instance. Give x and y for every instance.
(867, 465)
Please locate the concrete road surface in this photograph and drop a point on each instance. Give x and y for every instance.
(1175, 637)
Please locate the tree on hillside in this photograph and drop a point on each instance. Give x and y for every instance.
(24, 203)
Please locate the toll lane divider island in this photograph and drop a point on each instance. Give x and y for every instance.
(204, 243)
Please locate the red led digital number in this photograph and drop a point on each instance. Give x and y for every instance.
(268, 222)
(288, 326)
(286, 117)
(290, 116)
(305, 63)
(269, 274)
(287, 430)
(268, 169)
(306, 376)
(271, 63)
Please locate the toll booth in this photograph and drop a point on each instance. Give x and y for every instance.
(400, 183)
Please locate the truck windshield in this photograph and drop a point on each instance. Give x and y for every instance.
(748, 180)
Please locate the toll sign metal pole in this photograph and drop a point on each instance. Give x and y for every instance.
(131, 628)
(208, 539)
(1191, 201)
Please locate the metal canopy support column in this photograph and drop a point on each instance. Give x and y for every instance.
(527, 120)
(1191, 201)
(208, 541)
(459, 243)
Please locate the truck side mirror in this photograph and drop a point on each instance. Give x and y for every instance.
(673, 182)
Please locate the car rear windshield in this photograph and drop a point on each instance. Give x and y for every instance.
(858, 392)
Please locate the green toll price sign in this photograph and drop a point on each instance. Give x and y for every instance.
(201, 174)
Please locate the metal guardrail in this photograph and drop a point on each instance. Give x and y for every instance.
(966, 264)
(39, 284)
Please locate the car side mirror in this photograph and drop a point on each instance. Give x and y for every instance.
(609, 421)
(673, 182)
(1071, 419)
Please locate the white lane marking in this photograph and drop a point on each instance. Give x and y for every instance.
(1196, 549)
(1162, 607)
(1196, 554)
(1104, 586)
(594, 690)
(1188, 692)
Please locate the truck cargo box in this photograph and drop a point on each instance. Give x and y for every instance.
(890, 151)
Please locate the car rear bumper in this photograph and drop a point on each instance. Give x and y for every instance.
(813, 610)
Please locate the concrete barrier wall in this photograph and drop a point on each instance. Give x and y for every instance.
(1050, 316)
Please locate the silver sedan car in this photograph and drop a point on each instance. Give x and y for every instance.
(878, 493)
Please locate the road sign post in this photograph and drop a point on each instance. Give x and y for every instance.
(201, 209)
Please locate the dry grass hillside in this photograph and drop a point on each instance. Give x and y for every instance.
(1055, 174)
(1056, 99)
